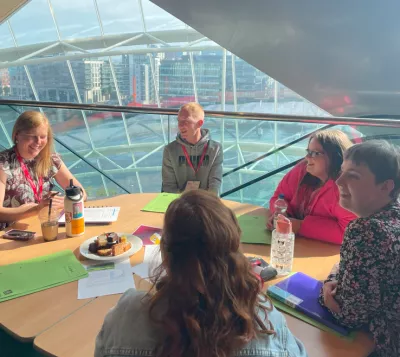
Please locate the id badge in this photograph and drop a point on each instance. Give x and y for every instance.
(192, 185)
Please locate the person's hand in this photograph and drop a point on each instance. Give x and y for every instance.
(58, 203)
(31, 207)
(296, 225)
(329, 291)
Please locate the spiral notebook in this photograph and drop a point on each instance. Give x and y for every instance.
(97, 215)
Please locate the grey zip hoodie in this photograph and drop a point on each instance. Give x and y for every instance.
(176, 171)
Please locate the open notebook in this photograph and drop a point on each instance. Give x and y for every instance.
(98, 215)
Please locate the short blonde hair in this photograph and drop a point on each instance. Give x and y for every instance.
(30, 120)
(194, 109)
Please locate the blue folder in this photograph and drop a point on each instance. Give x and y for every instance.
(301, 292)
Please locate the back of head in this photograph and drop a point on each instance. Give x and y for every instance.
(193, 109)
(210, 292)
(334, 143)
(381, 158)
(30, 120)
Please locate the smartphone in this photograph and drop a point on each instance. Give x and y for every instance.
(262, 268)
(17, 234)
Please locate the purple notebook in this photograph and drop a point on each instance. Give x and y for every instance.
(301, 292)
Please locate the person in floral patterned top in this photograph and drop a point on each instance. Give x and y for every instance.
(28, 168)
(363, 292)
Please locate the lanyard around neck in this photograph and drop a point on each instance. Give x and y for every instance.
(37, 191)
(201, 158)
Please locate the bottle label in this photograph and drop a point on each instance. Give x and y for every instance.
(78, 226)
(77, 210)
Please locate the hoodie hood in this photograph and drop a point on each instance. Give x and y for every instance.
(205, 137)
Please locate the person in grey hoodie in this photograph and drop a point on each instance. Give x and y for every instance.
(193, 160)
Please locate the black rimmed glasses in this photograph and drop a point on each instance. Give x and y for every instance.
(313, 154)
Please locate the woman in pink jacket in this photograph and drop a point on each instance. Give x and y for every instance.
(311, 192)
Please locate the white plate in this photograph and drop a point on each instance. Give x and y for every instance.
(136, 245)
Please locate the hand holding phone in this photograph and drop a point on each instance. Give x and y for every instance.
(16, 234)
(53, 194)
(57, 201)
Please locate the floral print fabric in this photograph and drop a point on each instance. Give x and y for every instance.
(368, 290)
(18, 190)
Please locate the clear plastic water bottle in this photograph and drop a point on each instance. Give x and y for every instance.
(280, 207)
(282, 246)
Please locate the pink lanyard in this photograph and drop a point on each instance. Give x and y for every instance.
(38, 195)
(201, 158)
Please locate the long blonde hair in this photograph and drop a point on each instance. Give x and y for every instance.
(30, 120)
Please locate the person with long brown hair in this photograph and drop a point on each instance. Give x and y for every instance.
(310, 190)
(28, 168)
(205, 300)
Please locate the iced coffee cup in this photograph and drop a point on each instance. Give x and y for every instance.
(49, 223)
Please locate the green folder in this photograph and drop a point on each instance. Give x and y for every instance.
(289, 310)
(161, 202)
(254, 230)
(30, 276)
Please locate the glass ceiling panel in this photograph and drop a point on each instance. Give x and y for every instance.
(76, 18)
(208, 70)
(5, 36)
(94, 82)
(205, 42)
(158, 19)
(120, 17)
(129, 48)
(33, 24)
(53, 82)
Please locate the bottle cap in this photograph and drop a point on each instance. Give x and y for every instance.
(283, 225)
(72, 190)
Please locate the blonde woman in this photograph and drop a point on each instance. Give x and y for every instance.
(27, 169)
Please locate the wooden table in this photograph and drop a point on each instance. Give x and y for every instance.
(70, 328)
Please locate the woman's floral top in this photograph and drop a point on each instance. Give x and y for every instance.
(18, 190)
(368, 290)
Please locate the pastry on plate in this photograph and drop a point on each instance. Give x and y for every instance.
(109, 244)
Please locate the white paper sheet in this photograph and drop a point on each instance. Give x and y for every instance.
(142, 270)
(98, 215)
(106, 281)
